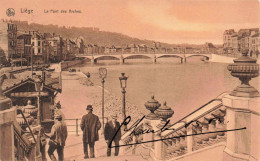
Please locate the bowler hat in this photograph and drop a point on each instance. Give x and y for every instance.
(89, 107)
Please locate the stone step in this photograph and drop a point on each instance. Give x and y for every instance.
(117, 158)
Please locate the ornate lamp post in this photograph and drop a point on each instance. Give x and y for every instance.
(152, 105)
(244, 68)
(123, 80)
(102, 75)
(164, 113)
(38, 88)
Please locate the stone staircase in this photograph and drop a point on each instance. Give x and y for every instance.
(74, 151)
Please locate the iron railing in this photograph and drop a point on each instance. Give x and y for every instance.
(76, 124)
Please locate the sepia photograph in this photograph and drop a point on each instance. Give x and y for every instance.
(129, 80)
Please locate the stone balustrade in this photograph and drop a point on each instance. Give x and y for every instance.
(206, 123)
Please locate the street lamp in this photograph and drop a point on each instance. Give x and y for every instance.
(123, 80)
(102, 75)
(38, 88)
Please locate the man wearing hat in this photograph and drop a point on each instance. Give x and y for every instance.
(90, 125)
(58, 137)
(111, 128)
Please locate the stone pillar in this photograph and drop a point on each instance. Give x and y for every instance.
(93, 61)
(149, 136)
(189, 138)
(159, 148)
(154, 59)
(7, 117)
(122, 60)
(242, 144)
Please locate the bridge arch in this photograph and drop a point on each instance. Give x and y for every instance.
(106, 57)
(137, 56)
(206, 56)
(169, 55)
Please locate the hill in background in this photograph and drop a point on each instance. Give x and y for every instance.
(90, 35)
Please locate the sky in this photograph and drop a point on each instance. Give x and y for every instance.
(170, 21)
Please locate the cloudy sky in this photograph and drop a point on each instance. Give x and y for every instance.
(172, 21)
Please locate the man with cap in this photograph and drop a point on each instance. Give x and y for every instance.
(90, 125)
(111, 128)
(58, 137)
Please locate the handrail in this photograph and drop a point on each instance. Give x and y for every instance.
(184, 123)
(20, 137)
(194, 111)
(27, 125)
(77, 124)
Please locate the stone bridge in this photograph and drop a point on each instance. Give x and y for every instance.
(154, 57)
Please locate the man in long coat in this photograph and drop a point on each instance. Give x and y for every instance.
(111, 128)
(90, 125)
(58, 137)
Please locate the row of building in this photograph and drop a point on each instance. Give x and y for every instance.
(24, 47)
(235, 42)
(31, 46)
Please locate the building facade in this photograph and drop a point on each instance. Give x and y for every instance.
(235, 42)
(24, 47)
(8, 39)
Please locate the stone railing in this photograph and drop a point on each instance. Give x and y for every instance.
(128, 139)
(198, 126)
(196, 131)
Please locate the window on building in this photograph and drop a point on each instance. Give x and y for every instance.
(32, 43)
(39, 43)
(39, 50)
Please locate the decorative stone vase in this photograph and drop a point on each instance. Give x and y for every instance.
(152, 105)
(244, 68)
(21, 121)
(164, 113)
(30, 109)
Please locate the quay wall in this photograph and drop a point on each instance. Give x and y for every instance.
(221, 59)
(67, 64)
(225, 59)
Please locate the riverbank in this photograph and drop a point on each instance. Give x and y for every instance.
(76, 96)
(225, 59)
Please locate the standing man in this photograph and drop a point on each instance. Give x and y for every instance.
(110, 130)
(90, 125)
(57, 138)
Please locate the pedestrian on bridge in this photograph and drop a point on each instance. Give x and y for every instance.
(90, 125)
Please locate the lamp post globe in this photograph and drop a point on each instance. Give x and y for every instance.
(123, 80)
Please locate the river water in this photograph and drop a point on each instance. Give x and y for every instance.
(185, 87)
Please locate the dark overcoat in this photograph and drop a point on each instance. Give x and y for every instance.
(111, 130)
(90, 125)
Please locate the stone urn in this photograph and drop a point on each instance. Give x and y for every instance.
(152, 105)
(30, 109)
(165, 112)
(244, 68)
(21, 121)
